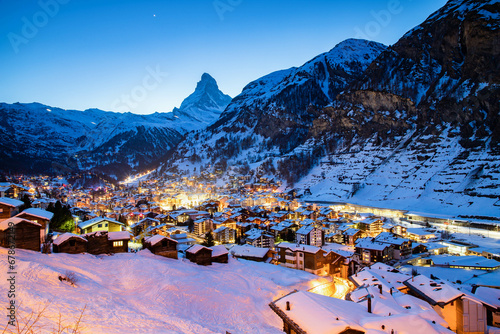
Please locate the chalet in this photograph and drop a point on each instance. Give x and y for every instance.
(307, 312)
(9, 207)
(70, 243)
(200, 255)
(259, 238)
(351, 235)
(310, 235)
(103, 242)
(248, 252)
(463, 313)
(39, 216)
(101, 224)
(25, 234)
(302, 257)
(402, 247)
(143, 225)
(219, 254)
(161, 245)
(371, 251)
(490, 297)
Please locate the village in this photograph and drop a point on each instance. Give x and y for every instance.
(383, 268)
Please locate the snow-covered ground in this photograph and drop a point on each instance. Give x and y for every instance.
(145, 293)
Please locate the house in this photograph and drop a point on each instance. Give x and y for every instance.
(351, 235)
(402, 248)
(302, 257)
(200, 255)
(224, 235)
(25, 234)
(70, 243)
(9, 207)
(371, 251)
(183, 242)
(161, 245)
(465, 262)
(310, 235)
(491, 299)
(259, 238)
(307, 312)
(219, 254)
(100, 224)
(248, 252)
(463, 313)
(39, 216)
(103, 242)
(144, 224)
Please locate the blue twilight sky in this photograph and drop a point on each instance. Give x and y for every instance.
(148, 55)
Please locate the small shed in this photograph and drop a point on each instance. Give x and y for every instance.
(25, 234)
(219, 254)
(200, 255)
(70, 243)
(118, 241)
(161, 245)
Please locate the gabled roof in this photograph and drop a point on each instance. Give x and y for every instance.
(15, 220)
(434, 292)
(11, 202)
(40, 213)
(196, 248)
(66, 236)
(88, 223)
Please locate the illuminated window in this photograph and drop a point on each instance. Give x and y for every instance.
(117, 243)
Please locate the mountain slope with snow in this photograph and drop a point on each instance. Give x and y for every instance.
(417, 126)
(33, 136)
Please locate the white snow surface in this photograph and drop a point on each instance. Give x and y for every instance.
(144, 293)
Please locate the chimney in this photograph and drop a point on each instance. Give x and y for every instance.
(380, 288)
(288, 306)
(391, 291)
(369, 304)
(474, 288)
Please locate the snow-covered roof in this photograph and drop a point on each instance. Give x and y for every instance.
(97, 220)
(434, 292)
(249, 251)
(368, 243)
(4, 224)
(196, 248)
(218, 250)
(351, 231)
(418, 231)
(158, 238)
(66, 236)
(320, 314)
(304, 230)
(44, 214)
(465, 261)
(299, 247)
(121, 235)
(11, 201)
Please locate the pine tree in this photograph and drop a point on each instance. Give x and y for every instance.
(209, 240)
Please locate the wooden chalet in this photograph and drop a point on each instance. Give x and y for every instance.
(39, 216)
(102, 242)
(9, 207)
(200, 255)
(25, 235)
(70, 243)
(219, 254)
(161, 245)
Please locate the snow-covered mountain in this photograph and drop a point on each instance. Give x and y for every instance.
(412, 126)
(36, 137)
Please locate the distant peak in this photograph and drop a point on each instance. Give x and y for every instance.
(207, 81)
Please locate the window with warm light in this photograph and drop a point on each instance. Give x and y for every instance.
(117, 243)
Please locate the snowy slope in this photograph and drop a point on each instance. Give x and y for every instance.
(33, 136)
(145, 293)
